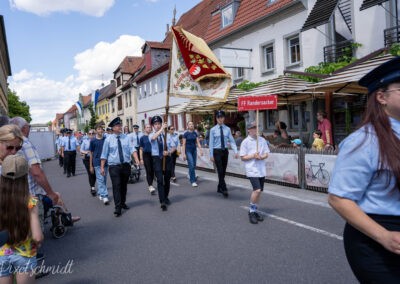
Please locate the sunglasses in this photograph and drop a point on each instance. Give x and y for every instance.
(91, 133)
(10, 147)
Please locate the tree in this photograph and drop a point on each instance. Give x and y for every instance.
(17, 107)
(93, 116)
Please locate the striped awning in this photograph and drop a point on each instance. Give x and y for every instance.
(346, 81)
(320, 14)
(286, 87)
(370, 3)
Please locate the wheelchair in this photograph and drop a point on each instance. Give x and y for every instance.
(135, 173)
(60, 219)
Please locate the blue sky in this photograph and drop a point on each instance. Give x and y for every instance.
(60, 48)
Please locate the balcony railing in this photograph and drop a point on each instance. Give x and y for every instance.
(339, 51)
(392, 35)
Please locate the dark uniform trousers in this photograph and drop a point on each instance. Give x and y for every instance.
(148, 165)
(221, 162)
(174, 156)
(163, 178)
(70, 161)
(119, 175)
(92, 176)
(60, 160)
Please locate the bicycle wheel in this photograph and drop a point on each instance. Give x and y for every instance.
(323, 177)
(308, 175)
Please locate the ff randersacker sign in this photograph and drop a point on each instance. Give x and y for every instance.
(257, 102)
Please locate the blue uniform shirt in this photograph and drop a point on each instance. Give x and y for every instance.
(145, 144)
(175, 139)
(133, 138)
(110, 149)
(65, 143)
(215, 138)
(154, 144)
(85, 145)
(355, 174)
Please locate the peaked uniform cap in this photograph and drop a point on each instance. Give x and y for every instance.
(115, 121)
(382, 75)
(220, 113)
(155, 119)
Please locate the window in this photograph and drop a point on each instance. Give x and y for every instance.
(150, 88)
(297, 116)
(272, 116)
(269, 2)
(130, 99)
(140, 92)
(227, 16)
(162, 83)
(239, 73)
(294, 50)
(119, 102)
(268, 58)
(126, 100)
(156, 85)
(112, 106)
(144, 91)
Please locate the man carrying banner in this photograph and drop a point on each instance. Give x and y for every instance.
(220, 136)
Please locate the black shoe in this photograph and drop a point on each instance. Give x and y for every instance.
(153, 192)
(253, 218)
(167, 201)
(93, 192)
(68, 175)
(260, 218)
(163, 207)
(73, 174)
(126, 207)
(39, 256)
(117, 213)
(225, 193)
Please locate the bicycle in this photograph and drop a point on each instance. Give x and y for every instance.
(321, 174)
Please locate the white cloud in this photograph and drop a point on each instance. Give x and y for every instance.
(95, 8)
(47, 97)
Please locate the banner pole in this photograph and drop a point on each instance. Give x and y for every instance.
(257, 130)
(167, 102)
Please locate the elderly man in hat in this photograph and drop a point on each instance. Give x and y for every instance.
(117, 152)
(220, 136)
(159, 153)
(68, 152)
(253, 158)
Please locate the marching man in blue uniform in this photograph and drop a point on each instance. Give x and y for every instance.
(117, 152)
(68, 152)
(220, 136)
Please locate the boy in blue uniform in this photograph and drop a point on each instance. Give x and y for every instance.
(159, 152)
(220, 136)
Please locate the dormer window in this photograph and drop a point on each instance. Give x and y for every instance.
(227, 16)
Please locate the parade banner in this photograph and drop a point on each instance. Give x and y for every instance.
(283, 167)
(257, 102)
(195, 70)
(318, 169)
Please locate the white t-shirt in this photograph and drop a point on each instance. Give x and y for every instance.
(254, 168)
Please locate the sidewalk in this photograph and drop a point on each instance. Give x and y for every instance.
(293, 193)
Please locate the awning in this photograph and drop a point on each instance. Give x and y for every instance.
(346, 82)
(370, 3)
(288, 89)
(320, 14)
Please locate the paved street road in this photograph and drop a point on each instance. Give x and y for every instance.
(202, 238)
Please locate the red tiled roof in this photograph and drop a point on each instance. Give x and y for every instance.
(151, 73)
(86, 100)
(157, 45)
(73, 108)
(129, 65)
(59, 116)
(107, 91)
(249, 12)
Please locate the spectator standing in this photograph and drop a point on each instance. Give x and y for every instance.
(220, 136)
(365, 184)
(238, 138)
(324, 125)
(189, 151)
(255, 168)
(318, 143)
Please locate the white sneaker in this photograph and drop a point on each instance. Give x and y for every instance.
(194, 184)
(101, 198)
(106, 201)
(151, 188)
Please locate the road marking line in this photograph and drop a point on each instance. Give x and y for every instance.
(175, 184)
(313, 229)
